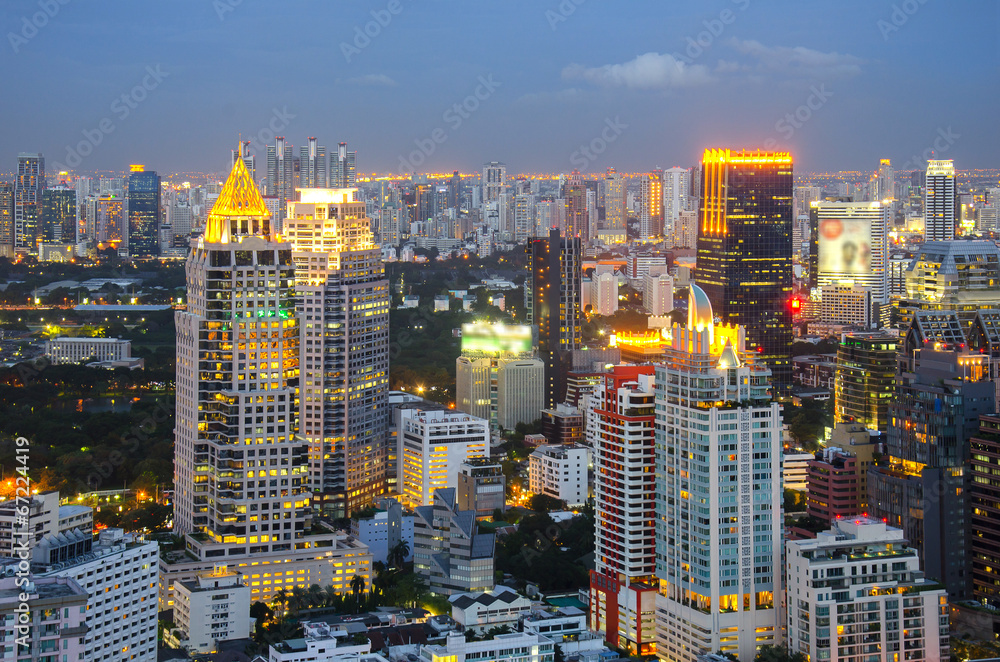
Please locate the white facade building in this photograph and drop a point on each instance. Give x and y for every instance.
(74, 350)
(212, 608)
(384, 530)
(322, 642)
(853, 245)
(939, 201)
(566, 627)
(505, 388)
(658, 294)
(845, 304)
(497, 607)
(795, 470)
(45, 516)
(56, 613)
(718, 493)
(604, 294)
(517, 647)
(560, 472)
(856, 592)
(676, 187)
(431, 447)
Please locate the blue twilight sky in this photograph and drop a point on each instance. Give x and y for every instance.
(577, 83)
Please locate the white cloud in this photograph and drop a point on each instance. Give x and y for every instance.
(646, 72)
(372, 80)
(799, 60)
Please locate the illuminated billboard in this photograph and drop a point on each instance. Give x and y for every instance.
(496, 338)
(845, 246)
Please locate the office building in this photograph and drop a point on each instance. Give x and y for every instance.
(856, 592)
(577, 212)
(106, 219)
(313, 165)
(984, 500)
(685, 234)
(651, 206)
(343, 168)
(676, 196)
(745, 250)
(834, 485)
(143, 212)
(851, 245)
(528, 647)
(885, 181)
(865, 379)
(28, 186)
(622, 584)
(212, 608)
(6, 219)
(432, 445)
(493, 181)
(449, 551)
(560, 472)
(244, 152)
(942, 387)
(55, 610)
(960, 276)
(939, 201)
(553, 292)
(241, 472)
(843, 304)
(59, 215)
(280, 175)
(481, 487)
(343, 301)
(718, 492)
(658, 294)
(615, 214)
(74, 350)
(564, 423)
(604, 294)
(384, 529)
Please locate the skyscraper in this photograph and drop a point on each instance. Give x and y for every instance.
(59, 211)
(614, 204)
(312, 157)
(554, 307)
(455, 190)
(343, 169)
(143, 212)
(886, 182)
(851, 244)
(718, 492)
(676, 184)
(249, 158)
(241, 472)
(494, 181)
(745, 249)
(344, 305)
(577, 213)
(6, 219)
(651, 206)
(280, 173)
(28, 187)
(865, 379)
(939, 201)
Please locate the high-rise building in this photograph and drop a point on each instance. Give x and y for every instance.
(658, 294)
(553, 302)
(280, 174)
(622, 584)
(984, 499)
(851, 245)
(312, 157)
(651, 206)
(6, 219)
(942, 387)
(604, 294)
(524, 217)
(53, 607)
(560, 471)
(59, 212)
(241, 472)
(106, 219)
(343, 168)
(614, 203)
(497, 376)
(857, 592)
(249, 158)
(28, 187)
(745, 249)
(143, 212)
(686, 229)
(845, 305)
(343, 300)
(482, 486)
(493, 181)
(939, 201)
(885, 182)
(449, 551)
(676, 188)
(455, 190)
(865, 379)
(577, 217)
(718, 489)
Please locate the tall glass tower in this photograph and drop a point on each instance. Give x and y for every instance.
(745, 249)
(143, 212)
(28, 187)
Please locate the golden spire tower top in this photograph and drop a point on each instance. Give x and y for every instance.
(239, 210)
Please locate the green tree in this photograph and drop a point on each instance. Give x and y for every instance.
(769, 653)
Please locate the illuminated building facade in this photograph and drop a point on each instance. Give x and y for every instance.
(865, 379)
(850, 245)
(676, 190)
(614, 203)
(143, 212)
(577, 211)
(313, 165)
(59, 212)
(240, 470)
(984, 497)
(623, 582)
(343, 301)
(718, 493)
(942, 387)
(651, 206)
(280, 174)
(553, 299)
(745, 249)
(6, 219)
(343, 168)
(28, 187)
(939, 201)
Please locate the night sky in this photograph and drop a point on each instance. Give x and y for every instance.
(543, 86)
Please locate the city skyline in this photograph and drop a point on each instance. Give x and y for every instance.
(537, 92)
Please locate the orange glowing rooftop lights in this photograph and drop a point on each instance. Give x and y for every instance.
(744, 156)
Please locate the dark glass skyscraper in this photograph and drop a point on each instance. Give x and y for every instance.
(6, 219)
(745, 249)
(28, 189)
(58, 215)
(143, 212)
(554, 307)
